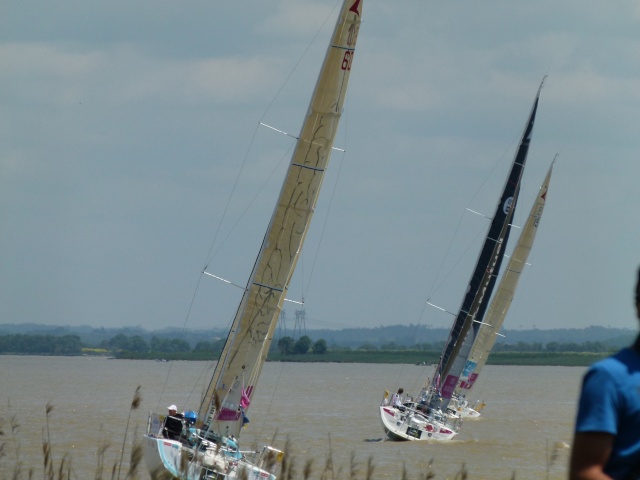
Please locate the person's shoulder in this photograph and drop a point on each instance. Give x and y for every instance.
(619, 361)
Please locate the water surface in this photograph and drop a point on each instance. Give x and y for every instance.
(322, 409)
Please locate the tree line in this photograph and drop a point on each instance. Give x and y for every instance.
(136, 344)
(41, 344)
(287, 345)
(550, 347)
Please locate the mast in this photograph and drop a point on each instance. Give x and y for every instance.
(505, 292)
(484, 275)
(247, 345)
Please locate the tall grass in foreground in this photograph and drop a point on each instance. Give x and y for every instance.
(12, 466)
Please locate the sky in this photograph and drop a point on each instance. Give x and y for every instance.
(131, 157)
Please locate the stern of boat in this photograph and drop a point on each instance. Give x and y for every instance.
(211, 461)
(411, 426)
(469, 413)
(163, 455)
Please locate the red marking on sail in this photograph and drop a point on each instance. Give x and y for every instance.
(355, 8)
(471, 380)
(226, 414)
(449, 386)
(245, 401)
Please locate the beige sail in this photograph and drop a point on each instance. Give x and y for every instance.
(505, 292)
(246, 349)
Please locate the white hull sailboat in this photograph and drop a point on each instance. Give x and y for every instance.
(432, 416)
(207, 447)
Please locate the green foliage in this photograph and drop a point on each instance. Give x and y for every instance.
(319, 347)
(165, 345)
(204, 346)
(285, 345)
(138, 344)
(552, 347)
(305, 349)
(303, 345)
(41, 344)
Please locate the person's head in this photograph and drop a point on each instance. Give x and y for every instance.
(400, 391)
(172, 409)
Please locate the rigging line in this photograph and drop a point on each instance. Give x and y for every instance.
(210, 255)
(297, 64)
(195, 384)
(433, 289)
(421, 381)
(491, 174)
(182, 333)
(297, 138)
(253, 136)
(244, 212)
(225, 211)
(271, 402)
(502, 158)
(472, 243)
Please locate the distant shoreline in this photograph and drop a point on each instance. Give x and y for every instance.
(567, 359)
(557, 359)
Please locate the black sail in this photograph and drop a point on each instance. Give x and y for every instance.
(487, 268)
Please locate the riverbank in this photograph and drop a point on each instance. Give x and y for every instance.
(566, 359)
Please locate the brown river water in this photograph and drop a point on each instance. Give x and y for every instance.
(319, 409)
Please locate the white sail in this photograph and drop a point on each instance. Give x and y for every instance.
(213, 448)
(505, 292)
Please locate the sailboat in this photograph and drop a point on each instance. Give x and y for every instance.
(428, 416)
(208, 446)
(489, 329)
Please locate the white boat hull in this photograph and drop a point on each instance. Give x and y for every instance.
(469, 413)
(410, 425)
(163, 455)
(170, 457)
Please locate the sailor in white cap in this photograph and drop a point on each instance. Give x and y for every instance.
(173, 423)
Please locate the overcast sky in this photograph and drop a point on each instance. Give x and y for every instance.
(131, 156)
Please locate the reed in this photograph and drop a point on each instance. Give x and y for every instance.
(14, 468)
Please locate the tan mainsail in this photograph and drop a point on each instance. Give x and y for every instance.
(252, 330)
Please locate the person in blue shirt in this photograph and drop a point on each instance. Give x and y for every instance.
(606, 443)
